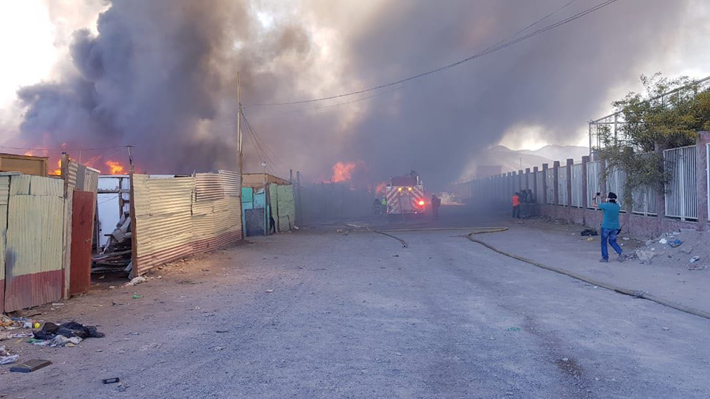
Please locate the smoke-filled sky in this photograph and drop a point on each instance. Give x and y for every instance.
(161, 75)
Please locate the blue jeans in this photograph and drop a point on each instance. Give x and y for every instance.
(609, 235)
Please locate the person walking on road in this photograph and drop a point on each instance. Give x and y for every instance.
(516, 206)
(610, 226)
(435, 204)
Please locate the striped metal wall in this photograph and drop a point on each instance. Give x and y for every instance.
(682, 190)
(4, 198)
(34, 241)
(562, 186)
(177, 217)
(577, 185)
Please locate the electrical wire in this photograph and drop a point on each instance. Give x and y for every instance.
(62, 149)
(258, 148)
(266, 150)
(305, 110)
(487, 51)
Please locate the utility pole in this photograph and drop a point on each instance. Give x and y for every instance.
(239, 127)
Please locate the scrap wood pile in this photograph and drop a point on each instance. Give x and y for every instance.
(116, 255)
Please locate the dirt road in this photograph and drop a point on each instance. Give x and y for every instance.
(318, 314)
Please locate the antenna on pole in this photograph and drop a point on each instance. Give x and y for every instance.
(239, 126)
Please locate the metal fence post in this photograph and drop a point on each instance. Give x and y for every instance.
(585, 189)
(556, 183)
(527, 178)
(544, 183)
(535, 187)
(570, 161)
(702, 177)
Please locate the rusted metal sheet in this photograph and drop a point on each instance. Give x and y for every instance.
(82, 177)
(208, 187)
(4, 197)
(162, 220)
(82, 232)
(27, 164)
(34, 241)
(177, 217)
(76, 177)
(232, 182)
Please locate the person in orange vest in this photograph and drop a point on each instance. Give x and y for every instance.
(516, 206)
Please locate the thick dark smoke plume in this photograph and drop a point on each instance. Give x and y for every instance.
(161, 75)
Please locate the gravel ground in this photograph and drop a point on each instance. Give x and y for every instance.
(318, 314)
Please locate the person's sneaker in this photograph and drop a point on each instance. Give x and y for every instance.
(621, 258)
(602, 260)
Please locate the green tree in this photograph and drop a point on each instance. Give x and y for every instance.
(668, 115)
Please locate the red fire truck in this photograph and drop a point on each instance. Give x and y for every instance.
(405, 195)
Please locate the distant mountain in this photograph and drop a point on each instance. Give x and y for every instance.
(511, 160)
(560, 152)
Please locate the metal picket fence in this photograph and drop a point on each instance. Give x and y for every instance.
(615, 183)
(644, 201)
(550, 176)
(562, 186)
(681, 191)
(577, 186)
(593, 181)
(538, 182)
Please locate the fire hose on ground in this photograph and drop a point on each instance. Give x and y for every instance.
(634, 293)
(625, 291)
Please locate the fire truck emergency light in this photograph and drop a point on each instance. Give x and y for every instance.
(421, 203)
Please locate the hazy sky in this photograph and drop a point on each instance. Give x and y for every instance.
(161, 75)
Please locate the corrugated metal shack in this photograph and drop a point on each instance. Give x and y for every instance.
(37, 216)
(179, 216)
(266, 196)
(25, 164)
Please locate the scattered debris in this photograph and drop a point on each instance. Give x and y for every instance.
(136, 296)
(9, 359)
(269, 291)
(675, 243)
(512, 329)
(644, 256)
(694, 259)
(625, 238)
(30, 366)
(116, 255)
(136, 281)
(111, 380)
(663, 241)
(590, 238)
(66, 334)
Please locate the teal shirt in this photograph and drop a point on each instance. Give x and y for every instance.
(611, 215)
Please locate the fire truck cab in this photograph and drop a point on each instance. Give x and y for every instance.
(405, 195)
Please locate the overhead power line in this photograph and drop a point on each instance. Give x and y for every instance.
(262, 149)
(63, 149)
(487, 51)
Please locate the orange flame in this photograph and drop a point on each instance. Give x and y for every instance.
(116, 167)
(58, 171)
(343, 171)
(380, 189)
